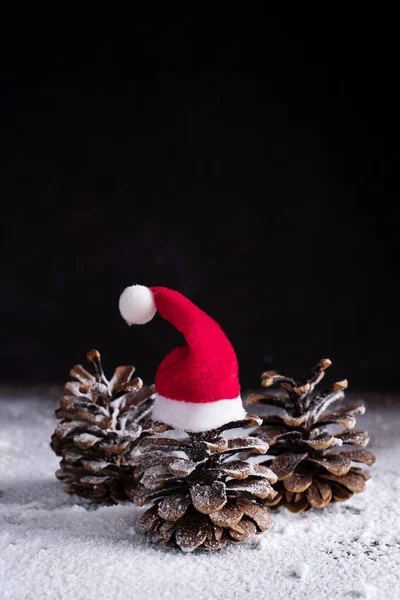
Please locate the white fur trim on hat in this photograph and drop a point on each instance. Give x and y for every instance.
(196, 416)
(136, 305)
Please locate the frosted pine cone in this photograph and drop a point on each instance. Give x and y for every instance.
(209, 497)
(101, 424)
(312, 464)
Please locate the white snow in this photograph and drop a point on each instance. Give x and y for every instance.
(86, 437)
(56, 547)
(301, 570)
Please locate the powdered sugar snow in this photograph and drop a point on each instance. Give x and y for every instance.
(54, 546)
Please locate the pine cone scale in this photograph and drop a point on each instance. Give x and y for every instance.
(208, 498)
(148, 519)
(191, 531)
(334, 463)
(228, 516)
(298, 482)
(316, 498)
(285, 464)
(243, 530)
(173, 508)
(321, 441)
(354, 482)
(259, 514)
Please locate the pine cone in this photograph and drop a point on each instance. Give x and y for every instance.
(101, 424)
(312, 472)
(208, 498)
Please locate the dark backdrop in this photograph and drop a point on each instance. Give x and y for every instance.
(236, 158)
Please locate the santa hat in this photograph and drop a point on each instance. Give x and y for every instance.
(197, 386)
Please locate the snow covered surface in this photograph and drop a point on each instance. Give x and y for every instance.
(56, 547)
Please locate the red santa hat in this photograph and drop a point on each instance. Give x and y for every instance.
(197, 385)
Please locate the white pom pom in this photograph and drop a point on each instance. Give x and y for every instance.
(136, 305)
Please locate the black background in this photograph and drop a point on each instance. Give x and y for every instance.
(237, 158)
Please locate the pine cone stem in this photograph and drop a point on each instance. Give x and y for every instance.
(95, 388)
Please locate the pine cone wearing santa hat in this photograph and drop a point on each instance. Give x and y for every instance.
(197, 385)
